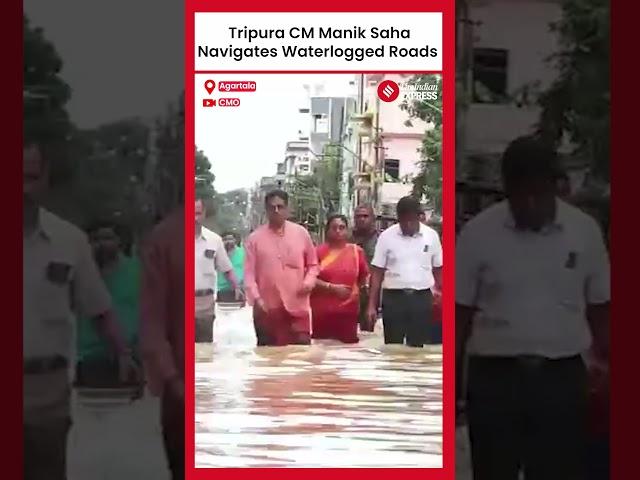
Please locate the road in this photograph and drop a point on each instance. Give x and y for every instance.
(327, 405)
(319, 406)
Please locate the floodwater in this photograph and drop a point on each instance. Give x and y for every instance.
(328, 405)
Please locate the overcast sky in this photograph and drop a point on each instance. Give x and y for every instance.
(246, 143)
(122, 61)
(122, 58)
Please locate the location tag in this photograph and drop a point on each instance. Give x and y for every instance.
(209, 85)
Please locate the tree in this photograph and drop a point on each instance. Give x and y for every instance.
(45, 95)
(428, 182)
(204, 176)
(108, 180)
(577, 102)
(167, 174)
(231, 212)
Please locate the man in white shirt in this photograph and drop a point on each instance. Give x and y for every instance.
(60, 282)
(532, 291)
(210, 257)
(408, 256)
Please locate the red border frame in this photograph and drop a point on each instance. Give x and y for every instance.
(447, 7)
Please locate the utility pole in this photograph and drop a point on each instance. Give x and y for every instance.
(360, 167)
(150, 170)
(464, 53)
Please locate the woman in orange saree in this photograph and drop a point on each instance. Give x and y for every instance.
(335, 301)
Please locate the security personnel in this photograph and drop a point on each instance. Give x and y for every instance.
(60, 282)
(532, 295)
(408, 257)
(210, 257)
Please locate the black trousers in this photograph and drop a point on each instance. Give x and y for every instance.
(172, 420)
(407, 314)
(204, 329)
(527, 415)
(45, 449)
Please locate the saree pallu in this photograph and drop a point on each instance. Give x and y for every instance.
(333, 317)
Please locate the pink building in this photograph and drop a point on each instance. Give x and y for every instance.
(390, 148)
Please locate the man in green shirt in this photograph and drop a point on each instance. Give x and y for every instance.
(235, 251)
(365, 235)
(121, 275)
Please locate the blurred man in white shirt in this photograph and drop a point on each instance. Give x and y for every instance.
(532, 292)
(210, 257)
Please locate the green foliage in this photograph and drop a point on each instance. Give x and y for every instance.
(108, 180)
(106, 172)
(578, 102)
(231, 212)
(428, 182)
(316, 196)
(203, 176)
(45, 95)
(168, 175)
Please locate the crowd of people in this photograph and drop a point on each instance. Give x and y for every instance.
(300, 291)
(532, 304)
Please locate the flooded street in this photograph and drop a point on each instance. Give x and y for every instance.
(327, 405)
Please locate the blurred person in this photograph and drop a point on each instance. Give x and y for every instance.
(162, 318)
(235, 251)
(532, 291)
(344, 272)
(281, 267)
(563, 185)
(408, 257)
(60, 281)
(121, 275)
(435, 328)
(365, 235)
(210, 257)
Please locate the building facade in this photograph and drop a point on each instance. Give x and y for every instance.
(508, 45)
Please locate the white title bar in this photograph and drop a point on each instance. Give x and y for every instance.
(352, 42)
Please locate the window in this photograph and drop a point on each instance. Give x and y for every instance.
(391, 170)
(304, 168)
(490, 75)
(320, 124)
(282, 169)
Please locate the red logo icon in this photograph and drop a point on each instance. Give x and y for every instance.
(209, 86)
(388, 91)
(207, 102)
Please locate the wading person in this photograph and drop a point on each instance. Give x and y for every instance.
(435, 325)
(60, 281)
(121, 275)
(235, 252)
(162, 330)
(210, 257)
(532, 290)
(408, 258)
(280, 272)
(335, 302)
(365, 235)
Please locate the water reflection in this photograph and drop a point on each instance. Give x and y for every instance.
(327, 405)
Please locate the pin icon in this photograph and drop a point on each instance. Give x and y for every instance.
(209, 85)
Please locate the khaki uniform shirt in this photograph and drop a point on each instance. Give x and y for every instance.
(61, 283)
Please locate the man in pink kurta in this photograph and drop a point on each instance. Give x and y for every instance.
(162, 330)
(281, 267)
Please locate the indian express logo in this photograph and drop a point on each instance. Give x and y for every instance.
(419, 91)
(388, 91)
